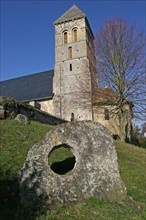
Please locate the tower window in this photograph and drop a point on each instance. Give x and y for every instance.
(75, 35)
(65, 37)
(106, 114)
(70, 52)
(70, 67)
(72, 117)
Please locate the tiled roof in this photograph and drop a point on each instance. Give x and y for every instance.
(104, 95)
(31, 87)
(73, 13)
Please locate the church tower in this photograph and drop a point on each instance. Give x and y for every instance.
(74, 66)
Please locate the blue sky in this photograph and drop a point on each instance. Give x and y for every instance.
(27, 31)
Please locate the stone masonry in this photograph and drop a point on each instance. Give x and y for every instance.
(74, 63)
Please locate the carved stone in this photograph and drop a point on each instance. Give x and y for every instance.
(95, 172)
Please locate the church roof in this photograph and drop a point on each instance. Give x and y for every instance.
(73, 13)
(104, 95)
(31, 87)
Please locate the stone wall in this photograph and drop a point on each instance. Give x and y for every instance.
(112, 124)
(47, 118)
(41, 116)
(10, 108)
(99, 116)
(72, 76)
(45, 105)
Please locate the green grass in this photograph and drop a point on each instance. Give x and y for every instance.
(93, 209)
(16, 140)
(59, 154)
(132, 163)
(61, 159)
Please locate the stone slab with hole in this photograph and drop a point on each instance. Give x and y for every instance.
(90, 168)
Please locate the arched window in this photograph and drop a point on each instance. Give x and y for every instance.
(65, 37)
(70, 53)
(75, 35)
(106, 114)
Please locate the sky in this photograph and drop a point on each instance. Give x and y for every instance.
(27, 30)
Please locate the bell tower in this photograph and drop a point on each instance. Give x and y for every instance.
(74, 66)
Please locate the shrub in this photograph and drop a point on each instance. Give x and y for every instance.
(13, 107)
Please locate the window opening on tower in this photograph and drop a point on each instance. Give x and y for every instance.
(75, 35)
(70, 52)
(72, 117)
(106, 114)
(70, 67)
(65, 37)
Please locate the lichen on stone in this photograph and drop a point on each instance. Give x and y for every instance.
(95, 172)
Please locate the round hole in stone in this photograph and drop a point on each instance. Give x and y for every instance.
(61, 160)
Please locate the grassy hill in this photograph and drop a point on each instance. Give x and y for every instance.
(16, 139)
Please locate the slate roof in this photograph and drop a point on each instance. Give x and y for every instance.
(73, 13)
(35, 86)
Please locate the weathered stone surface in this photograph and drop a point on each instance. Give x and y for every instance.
(23, 119)
(73, 74)
(95, 172)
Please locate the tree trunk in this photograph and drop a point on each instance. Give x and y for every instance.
(122, 127)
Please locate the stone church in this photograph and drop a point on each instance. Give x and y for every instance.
(71, 90)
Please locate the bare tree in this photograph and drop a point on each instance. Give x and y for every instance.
(121, 66)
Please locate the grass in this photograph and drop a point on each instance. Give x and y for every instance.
(59, 154)
(61, 159)
(132, 163)
(93, 209)
(16, 140)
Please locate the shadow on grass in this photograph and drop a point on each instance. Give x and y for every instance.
(10, 203)
(9, 199)
(63, 167)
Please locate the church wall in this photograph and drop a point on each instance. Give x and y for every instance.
(73, 90)
(78, 50)
(47, 106)
(44, 105)
(79, 23)
(71, 81)
(111, 124)
(80, 109)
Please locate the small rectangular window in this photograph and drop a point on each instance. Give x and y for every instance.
(72, 117)
(106, 114)
(70, 67)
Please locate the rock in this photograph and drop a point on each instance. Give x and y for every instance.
(94, 170)
(22, 119)
(2, 112)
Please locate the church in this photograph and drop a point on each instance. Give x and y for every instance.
(71, 90)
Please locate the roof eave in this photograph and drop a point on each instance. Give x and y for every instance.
(37, 99)
(68, 20)
(104, 103)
